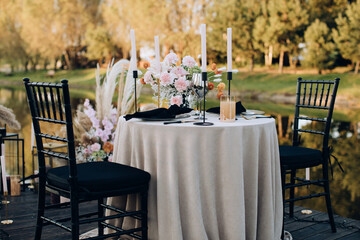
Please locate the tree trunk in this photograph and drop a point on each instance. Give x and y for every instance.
(67, 60)
(270, 55)
(357, 67)
(319, 71)
(281, 61)
(251, 63)
(55, 63)
(26, 64)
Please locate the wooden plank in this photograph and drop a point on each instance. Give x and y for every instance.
(353, 236)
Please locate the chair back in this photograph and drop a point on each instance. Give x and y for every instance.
(317, 97)
(50, 103)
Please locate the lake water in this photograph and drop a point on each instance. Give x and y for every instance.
(345, 132)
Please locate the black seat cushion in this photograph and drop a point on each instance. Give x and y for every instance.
(99, 177)
(299, 157)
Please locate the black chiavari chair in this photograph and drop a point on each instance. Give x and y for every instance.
(317, 97)
(80, 182)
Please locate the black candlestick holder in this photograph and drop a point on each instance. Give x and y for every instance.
(229, 78)
(135, 75)
(203, 123)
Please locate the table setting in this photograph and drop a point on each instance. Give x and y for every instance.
(216, 176)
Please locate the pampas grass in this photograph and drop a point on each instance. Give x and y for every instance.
(126, 99)
(105, 90)
(7, 117)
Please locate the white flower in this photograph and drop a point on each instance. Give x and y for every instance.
(189, 61)
(179, 71)
(235, 71)
(217, 80)
(148, 78)
(222, 69)
(171, 59)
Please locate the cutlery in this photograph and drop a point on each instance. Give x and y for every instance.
(247, 118)
(178, 122)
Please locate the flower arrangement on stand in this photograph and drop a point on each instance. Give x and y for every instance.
(173, 84)
(95, 129)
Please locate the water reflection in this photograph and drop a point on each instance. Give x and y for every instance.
(345, 139)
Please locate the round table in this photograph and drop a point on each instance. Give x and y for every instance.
(219, 182)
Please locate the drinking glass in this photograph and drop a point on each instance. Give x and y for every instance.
(199, 85)
(227, 108)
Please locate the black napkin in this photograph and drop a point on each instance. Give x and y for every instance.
(239, 109)
(159, 113)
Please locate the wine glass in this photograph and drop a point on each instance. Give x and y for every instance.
(198, 85)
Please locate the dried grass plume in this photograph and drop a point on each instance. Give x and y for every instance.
(7, 117)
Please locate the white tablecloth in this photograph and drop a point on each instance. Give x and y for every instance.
(220, 182)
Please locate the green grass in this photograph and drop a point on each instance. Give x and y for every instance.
(82, 83)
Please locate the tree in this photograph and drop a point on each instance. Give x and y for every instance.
(240, 16)
(12, 46)
(288, 20)
(347, 34)
(326, 10)
(320, 50)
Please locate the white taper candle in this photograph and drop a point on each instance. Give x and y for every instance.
(133, 49)
(229, 56)
(3, 172)
(203, 47)
(157, 54)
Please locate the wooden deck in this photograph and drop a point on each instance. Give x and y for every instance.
(22, 210)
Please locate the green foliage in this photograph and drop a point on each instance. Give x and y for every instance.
(241, 17)
(326, 10)
(347, 34)
(320, 50)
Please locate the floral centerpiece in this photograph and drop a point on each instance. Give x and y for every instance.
(96, 142)
(95, 129)
(173, 84)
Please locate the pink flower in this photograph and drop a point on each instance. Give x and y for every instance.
(176, 100)
(107, 124)
(87, 103)
(181, 84)
(179, 71)
(166, 78)
(87, 151)
(171, 59)
(148, 79)
(189, 61)
(95, 147)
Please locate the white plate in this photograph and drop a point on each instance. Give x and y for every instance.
(253, 112)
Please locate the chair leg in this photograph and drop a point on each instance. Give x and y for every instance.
(74, 217)
(100, 215)
(292, 192)
(144, 217)
(328, 200)
(283, 196)
(41, 209)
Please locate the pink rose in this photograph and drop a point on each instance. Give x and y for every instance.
(176, 100)
(166, 78)
(171, 59)
(95, 147)
(181, 84)
(148, 78)
(179, 71)
(189, 61)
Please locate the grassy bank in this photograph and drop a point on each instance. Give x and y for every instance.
(245, 85)
(271, 83)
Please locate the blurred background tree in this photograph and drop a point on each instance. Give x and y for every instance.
(76, 34)
(347, 34)
(320, 48)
